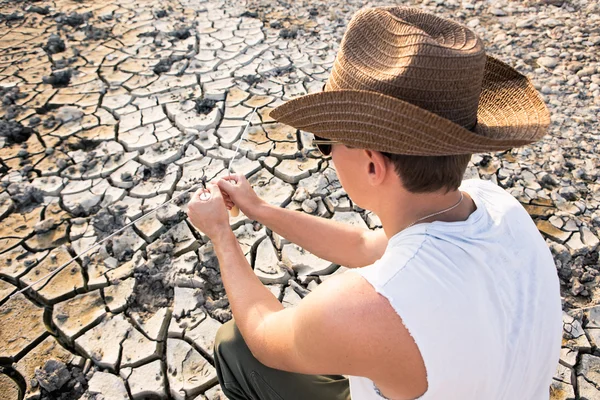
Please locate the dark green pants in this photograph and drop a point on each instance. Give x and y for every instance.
(243, 377)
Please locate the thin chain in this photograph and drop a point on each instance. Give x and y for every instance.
(241, 140)
(439, 212)
(97, 245)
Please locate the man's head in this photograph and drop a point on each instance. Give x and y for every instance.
(420, 87)
(366, 175)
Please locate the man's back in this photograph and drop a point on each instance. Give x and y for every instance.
(480, 298)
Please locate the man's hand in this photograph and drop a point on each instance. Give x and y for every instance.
(208, 213)
(238, 191)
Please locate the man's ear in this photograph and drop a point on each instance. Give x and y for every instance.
(378, 167)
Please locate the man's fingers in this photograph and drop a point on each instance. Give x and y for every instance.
(232, 178)
(214, 190)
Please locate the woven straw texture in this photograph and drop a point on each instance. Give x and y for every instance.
(408, 82)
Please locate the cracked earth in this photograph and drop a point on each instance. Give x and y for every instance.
(112, 108)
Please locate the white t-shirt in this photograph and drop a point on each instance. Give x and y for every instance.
(480, 298)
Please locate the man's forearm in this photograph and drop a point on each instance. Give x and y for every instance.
(330, 240)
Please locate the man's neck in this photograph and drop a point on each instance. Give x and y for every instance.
(407, 208)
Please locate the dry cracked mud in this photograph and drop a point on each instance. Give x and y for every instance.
(108, 109)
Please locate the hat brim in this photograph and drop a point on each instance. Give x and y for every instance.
(510, 114)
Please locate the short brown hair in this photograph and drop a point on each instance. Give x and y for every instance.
(426, 174)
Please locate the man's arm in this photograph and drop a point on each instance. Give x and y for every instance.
(343, 327)
(334, 241)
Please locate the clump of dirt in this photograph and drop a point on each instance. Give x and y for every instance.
(204, 106)
(289, 33)
(279, 71)
(252, 80)
(108, 220)
(249, 14)
(39, 10)
(183, 199)
(10, 95)
(14, 132)
(164, 65)
(73, 20)
(64, 62)
(58, 381)
(160, 13)
(149, 34)
(156, 173)
(53, 376)
(82, 144)
(24, 196)
(55, 45)
(216, 302)
(154, 282)
(11, 112)
(50, 122)
(59, 78)
(11, 17)
(181, 33)
(93, 33)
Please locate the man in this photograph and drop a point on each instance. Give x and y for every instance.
(457, 297)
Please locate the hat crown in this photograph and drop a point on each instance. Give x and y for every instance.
(433, 63)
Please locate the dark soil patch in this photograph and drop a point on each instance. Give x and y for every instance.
(249, 14)
(34, 121)
(93, 33)
(154, 285)
(83, 144)
(181, 33)
(164, 65)
(149, 34)
(182, 199)
(14, 132)
(282, 70)
(64, 62)
(66, 381)
(73, 20)
(204, 106)
(289, 33)
(24, 196)
(59, 79)
(216, 302)
(252, 79)
(161, 13)
(11, 17)
(54, 45)
(151, 291)
(11, 112)
(109, 220)
(50, 122)
(156, 173)
(39, 10)
(10, 95)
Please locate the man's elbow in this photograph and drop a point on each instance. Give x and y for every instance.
(265, 356)
(271, 357)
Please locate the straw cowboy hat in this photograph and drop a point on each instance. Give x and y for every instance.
(408, 82)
